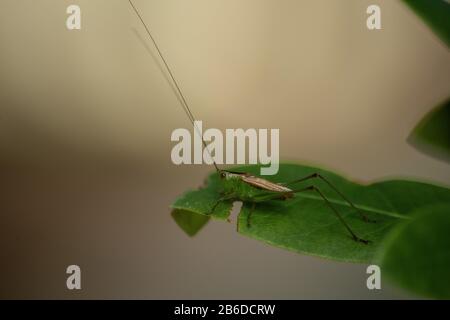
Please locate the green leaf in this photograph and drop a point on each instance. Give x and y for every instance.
(416, 255)
(432, 134)
(189, 221)
(436, 14)
(305, 224)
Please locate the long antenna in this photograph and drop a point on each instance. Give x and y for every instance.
(184, 103)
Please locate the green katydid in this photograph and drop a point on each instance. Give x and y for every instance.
(248, 188)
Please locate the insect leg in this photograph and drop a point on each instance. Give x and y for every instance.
(338, 215)
(221, 199)
(248, 216)
(318, 175)
(267, 197)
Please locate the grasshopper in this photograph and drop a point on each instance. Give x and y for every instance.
(248, 188)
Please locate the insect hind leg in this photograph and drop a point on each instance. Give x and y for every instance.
(338, 215)
(319, 176)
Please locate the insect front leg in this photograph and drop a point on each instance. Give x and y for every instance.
(319, 176)
(221, 199)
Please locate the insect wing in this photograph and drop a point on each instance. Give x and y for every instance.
(264, 184)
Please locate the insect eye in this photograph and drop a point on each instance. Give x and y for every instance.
(222, 174)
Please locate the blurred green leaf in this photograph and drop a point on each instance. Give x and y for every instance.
(305, 224)
(416, 256)
(436, 14)
(432, 134)
(189, 221)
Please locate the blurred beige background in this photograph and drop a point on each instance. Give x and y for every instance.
(86, 118)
